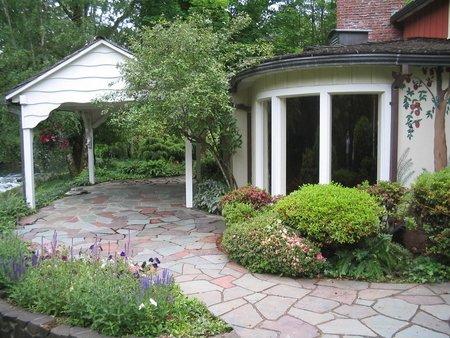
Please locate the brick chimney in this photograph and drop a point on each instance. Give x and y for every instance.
(369, 15)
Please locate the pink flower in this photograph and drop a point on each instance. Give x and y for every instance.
(319, 257)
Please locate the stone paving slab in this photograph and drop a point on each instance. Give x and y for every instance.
(152, 215)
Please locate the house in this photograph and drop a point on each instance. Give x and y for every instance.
(372, 105)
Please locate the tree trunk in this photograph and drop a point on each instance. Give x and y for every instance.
(440, 142)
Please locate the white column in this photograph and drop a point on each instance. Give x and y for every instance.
(266, 113)
(188, 173)
(278, 146)
(258, 150)
(28, 166)
(384, 136)
(90, 146)
(325, 139)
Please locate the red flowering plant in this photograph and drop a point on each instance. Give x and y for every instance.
(53, 139)
(254, 196)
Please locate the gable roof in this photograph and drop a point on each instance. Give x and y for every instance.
(409, 10)
(63, 62)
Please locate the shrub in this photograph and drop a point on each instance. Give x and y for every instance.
(108, 298)
(430, 206)
(254, 196)
(373, 259)
(426, 270)
(390, 195)
(12, 207)
(13, 259)
(208, 194)
(331, 214)
(265, 245)
(237, 212)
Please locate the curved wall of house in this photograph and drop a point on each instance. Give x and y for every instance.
(331, 80)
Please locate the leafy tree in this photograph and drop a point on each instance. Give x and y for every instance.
(180, 76)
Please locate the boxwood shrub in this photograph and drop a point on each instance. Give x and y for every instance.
(430, 205)
(237, 212)
(331, 214)
(265, 245)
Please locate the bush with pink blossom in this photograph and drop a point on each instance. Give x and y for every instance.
(263, 244)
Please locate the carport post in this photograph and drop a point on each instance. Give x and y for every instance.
(188, 173)
(28, 166)
(87, 119)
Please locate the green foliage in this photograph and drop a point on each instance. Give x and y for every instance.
(237, 212)
(180, 76)
(430, 206)
(12, 253)
(12, 207)
(264, 245)
(374, 259)
(426, 270)
(154, 148)
(108, 298)
(331, 214)
(208, 194)
(390, 195)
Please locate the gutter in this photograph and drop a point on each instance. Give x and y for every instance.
(339, 60)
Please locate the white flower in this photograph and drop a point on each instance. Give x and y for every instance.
(153, 302)
(71, 288)
(141, 306)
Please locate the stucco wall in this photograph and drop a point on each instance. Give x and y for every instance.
(418, 147)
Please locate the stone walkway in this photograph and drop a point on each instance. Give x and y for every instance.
(255, 305)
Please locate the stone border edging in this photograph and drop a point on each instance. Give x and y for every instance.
(17, 322)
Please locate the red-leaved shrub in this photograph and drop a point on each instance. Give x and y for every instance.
(256, 197)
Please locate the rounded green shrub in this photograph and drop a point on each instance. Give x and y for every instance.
(263, 244)
(238, 212)
(331, 214)
(430, 205)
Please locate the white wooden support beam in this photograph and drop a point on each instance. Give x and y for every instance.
(384, 136)
(89, 130)
(188, 173)
(278, 148)
(28, 167)
(325, 138)
(258, 135)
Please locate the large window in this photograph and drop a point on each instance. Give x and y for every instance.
(302, 141)
(354, 138)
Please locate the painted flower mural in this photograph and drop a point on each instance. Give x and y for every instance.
(420, 90)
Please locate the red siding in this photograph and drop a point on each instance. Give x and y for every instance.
(430, 22)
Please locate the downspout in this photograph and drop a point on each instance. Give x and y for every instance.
(394, 129)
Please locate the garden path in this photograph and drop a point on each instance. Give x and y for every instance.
(152, 215)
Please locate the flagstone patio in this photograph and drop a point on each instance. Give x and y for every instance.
(152, 215)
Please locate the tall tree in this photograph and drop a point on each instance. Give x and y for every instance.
(180, 76)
